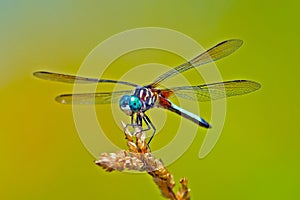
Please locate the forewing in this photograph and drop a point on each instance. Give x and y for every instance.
(217, 52)
(66, 78)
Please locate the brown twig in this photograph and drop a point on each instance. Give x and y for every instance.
(140, 158)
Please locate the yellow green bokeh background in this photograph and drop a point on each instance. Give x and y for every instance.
(42, 157)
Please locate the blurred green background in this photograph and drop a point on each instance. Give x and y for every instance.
(42, 157)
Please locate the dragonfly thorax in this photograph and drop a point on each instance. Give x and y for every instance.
(147, 96)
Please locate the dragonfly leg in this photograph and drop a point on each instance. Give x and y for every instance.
(131, 119)
(139, 120)
(149, 126)
(135, 122)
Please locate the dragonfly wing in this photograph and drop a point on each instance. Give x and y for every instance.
(217, 52)
(65, 78)
(92, 98)
(215, 91)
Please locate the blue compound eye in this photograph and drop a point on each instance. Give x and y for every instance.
(135, 103)
(124, 105)
(124, 101)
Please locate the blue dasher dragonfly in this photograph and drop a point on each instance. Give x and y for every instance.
(135, 103)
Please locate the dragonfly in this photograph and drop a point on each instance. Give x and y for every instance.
(137, 101)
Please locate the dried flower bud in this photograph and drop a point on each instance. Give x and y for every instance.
(140, 158)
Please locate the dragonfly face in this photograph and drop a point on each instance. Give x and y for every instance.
(150, 96)
(130, 104)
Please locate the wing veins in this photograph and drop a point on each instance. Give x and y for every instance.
(216, 91)
(92, 98)
(65, 78)
(215, 53)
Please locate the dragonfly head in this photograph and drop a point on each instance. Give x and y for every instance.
(130, 104)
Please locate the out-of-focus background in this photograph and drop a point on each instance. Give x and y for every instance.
(42, 157)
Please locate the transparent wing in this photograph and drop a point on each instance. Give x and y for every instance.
(215, 91)
(65, 78)
(217, 52)
(92, 98)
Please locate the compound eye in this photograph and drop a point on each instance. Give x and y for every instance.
(124, 105)
(135, 103)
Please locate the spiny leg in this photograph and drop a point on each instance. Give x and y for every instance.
(138, 121)
(131, 122)
(149, 125)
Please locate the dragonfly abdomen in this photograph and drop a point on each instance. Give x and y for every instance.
(165, 103)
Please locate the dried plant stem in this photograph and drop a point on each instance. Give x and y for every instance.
(139, 158)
